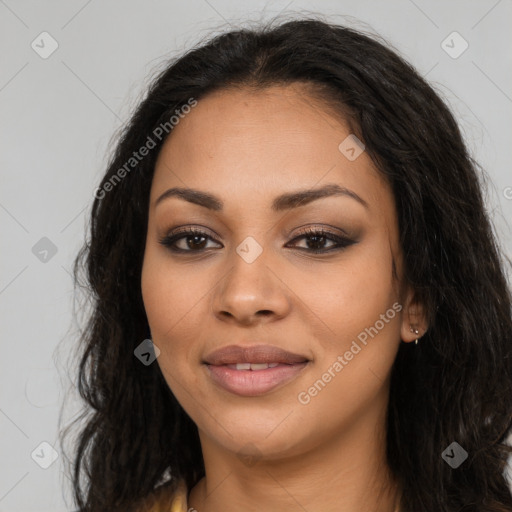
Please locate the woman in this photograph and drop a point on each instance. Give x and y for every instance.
(342, 337)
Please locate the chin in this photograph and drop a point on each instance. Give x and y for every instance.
(248, 440)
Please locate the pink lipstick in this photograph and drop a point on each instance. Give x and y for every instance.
(255, 370)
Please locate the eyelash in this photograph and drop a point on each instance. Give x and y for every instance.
(342, 242)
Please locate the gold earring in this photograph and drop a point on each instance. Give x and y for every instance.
(415, 331)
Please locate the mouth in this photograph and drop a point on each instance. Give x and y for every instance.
(253, 371)
(252, 366)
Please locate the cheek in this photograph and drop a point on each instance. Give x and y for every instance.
(359, 304)
(170, 293)
(174, 299)
(169, 300)
(348, 296)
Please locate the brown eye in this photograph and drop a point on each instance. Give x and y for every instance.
(194, 240)
(319, 237)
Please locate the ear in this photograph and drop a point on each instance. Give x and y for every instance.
(413, 317)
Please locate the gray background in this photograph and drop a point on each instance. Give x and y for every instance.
(59, 115)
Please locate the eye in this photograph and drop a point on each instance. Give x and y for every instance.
(196, 240)
(192, 235)
(319, 236)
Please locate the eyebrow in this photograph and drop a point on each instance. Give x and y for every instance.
(283, 202)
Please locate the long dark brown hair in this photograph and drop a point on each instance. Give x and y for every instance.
(454, 386)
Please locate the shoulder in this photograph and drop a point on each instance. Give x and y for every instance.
(170, 497)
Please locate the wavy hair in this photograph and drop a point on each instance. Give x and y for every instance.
(456, 385)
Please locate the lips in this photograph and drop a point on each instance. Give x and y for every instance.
(253, 371)
(257, 354)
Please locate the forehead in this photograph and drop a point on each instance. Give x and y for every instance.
(258, 144)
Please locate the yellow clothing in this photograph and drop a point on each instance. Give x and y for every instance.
(179, 500)
(168, 498)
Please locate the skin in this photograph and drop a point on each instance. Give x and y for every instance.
(271, 452)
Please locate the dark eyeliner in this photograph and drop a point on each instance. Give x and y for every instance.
(341, 241)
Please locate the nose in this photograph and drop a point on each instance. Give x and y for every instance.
(251, 292)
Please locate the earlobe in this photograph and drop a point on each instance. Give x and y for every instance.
(416, 332)
(414, 324)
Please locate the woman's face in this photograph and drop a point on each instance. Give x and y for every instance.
(251, 278)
